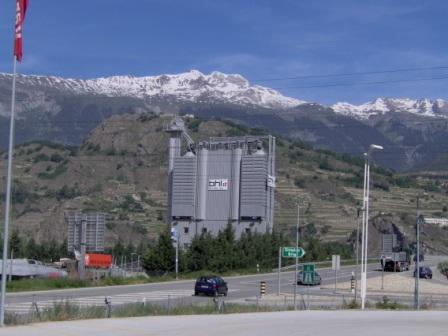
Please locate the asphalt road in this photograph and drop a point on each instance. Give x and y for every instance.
(314, 323)
(240, 288)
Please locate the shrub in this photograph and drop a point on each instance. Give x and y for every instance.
(41, 157)
(56, 157)
(67, 192)
(61, 169)
(300, 183)
(387, 304)
(111, 152)
(325, 165)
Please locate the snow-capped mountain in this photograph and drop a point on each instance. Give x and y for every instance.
(423, 107)
(65, 110)
(192, 86)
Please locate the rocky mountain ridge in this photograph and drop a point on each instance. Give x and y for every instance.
(413, 132)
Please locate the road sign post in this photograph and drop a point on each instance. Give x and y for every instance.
(335, 266)
(279, 269)
(292, 252)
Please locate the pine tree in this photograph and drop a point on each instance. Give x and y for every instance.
(16, 245)
(161, 257)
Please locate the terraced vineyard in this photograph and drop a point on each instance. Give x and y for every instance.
(121, 169)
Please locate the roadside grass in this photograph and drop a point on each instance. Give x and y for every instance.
(65, 311)
(25, 285)
(390, 305)
(44, 284)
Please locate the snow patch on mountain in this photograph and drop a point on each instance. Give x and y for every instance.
(424, 107)
(192, 86)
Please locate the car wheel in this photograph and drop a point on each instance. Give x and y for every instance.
(225, 293)
(196, 293)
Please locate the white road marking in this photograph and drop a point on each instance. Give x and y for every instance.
(25, 307)
(165, 295)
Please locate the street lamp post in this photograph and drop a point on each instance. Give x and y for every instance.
(357, 254)
(297, 257)
(365, 222)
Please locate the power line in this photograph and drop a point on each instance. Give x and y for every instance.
(351, 74)
(363, 83)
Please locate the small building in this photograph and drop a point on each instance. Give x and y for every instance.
(220, 181)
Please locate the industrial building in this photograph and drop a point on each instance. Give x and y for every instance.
(95, 225)
(220, 181)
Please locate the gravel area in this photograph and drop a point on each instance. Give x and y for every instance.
(402, 283)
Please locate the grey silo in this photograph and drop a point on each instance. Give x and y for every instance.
(227, 180)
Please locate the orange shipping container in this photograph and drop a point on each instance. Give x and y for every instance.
(97, 260)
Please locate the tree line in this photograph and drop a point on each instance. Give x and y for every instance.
(21, 247)
(219, 253)
(223, 252)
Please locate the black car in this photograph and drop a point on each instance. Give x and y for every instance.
(210, 285)
(425, 272)
(317, 279)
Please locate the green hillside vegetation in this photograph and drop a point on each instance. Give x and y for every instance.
(121, 169)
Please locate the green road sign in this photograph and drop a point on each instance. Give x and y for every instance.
(308, 274)
(292, 252)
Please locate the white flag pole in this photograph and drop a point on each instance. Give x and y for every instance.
(8, 195)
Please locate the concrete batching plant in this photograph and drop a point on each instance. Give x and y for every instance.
(221, 181)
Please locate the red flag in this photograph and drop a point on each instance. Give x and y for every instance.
(21, 6)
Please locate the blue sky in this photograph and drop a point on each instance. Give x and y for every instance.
(259, 39)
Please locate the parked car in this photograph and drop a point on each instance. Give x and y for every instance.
(425, 272)
(210, 285)
(317, 279)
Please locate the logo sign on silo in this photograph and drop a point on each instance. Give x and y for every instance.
(218, 184)
(271, 181)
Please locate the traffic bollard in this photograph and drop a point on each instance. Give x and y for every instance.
(108, 304)
(352, 283)
(262, 288)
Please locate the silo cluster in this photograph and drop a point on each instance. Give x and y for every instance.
(221, 181)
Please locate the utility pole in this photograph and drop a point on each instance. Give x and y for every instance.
(357, 255)
(297, 257)
(177, 259)
(82, 258)
(417, 259)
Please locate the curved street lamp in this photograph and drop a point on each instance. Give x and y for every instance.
(365, 222)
